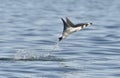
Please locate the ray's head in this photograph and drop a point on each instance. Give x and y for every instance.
(88, 24)
(85, 25)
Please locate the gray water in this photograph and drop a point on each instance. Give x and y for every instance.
(29, 30)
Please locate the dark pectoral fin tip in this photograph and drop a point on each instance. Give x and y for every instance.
(60, 38)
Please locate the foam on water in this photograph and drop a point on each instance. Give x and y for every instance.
(44, 54)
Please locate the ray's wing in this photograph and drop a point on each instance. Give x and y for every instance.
(69, 22)
(65, 24)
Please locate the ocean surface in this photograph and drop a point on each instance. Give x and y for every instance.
(29, 31)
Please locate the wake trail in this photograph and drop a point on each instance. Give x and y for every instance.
(54, 48)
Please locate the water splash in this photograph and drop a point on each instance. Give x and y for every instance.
(54, 48)
(26, 54)
(44, 54)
